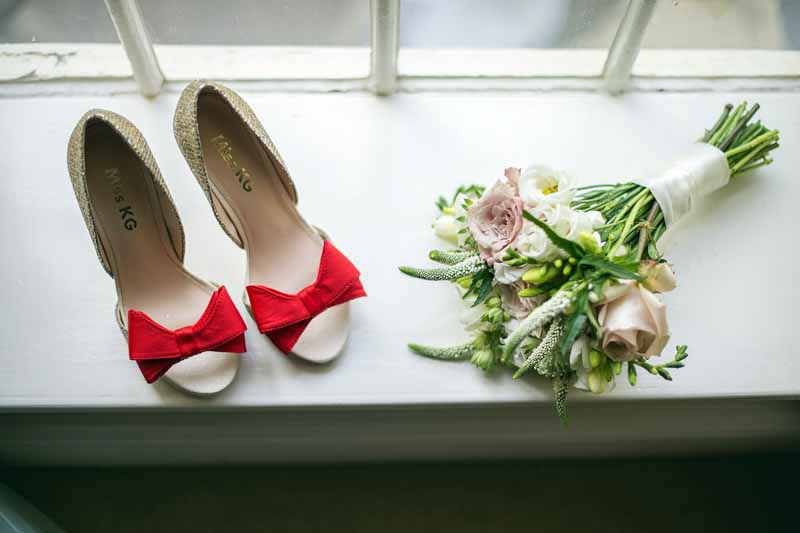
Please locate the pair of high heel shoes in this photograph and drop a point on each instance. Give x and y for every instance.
(297, 283)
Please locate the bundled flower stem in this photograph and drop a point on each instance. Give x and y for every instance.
(634, 218)
(562, 281)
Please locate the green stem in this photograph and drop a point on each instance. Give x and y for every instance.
(769, 136)
(720, 121)
(629, 222)
(645, 232)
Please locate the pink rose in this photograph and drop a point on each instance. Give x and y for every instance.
(634, 323)
(495, 220)
(512, 175)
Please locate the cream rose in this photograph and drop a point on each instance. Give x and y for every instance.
(659, 276)
(634, 323)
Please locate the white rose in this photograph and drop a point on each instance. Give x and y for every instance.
(534, 243)
(540, 184)
(446, 227)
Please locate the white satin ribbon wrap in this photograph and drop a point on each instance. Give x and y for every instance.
(702, 170)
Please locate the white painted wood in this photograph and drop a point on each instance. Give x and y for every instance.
(492, 62)
(385, 36)
(128, 22)
(368, 170)
(718, 63)
(49, 62)
(627, 42)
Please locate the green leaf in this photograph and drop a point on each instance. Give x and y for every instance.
(680, 352)
(483, 292)
(575, 324)
(663, 373)
(572, 248)
(652, 251)
(607, 267)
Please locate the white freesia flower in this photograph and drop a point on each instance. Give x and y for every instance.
(570, 223)
(446, 227)
(567, 222)
(508, 275)
(587, 378)
(540, 184)
(470, 316)
(579, 353)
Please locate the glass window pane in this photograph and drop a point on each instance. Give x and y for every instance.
(326, 40)
(513, 38)
(716, 24)
(258, 22)
(509, 24)
(51, 21)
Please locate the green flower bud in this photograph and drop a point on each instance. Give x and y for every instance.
(558, 263)
(617, 367)
(494, 301)
(483, 359)
(493, 315)
(535, 274)
(530, 292)
(572, 261)
(567, 270)
(588, 243)
(596, 382)
(464, 282)
(608, 371)
(632, 374)
(595, 358)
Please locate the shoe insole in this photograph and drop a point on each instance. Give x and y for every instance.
(130, 216)
(283, 250)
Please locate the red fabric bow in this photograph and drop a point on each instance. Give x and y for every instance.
(156, 348)
(284, 317)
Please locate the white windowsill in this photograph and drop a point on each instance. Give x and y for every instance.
(368, 170)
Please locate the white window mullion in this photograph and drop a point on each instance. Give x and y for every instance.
(132, 33)
(385, 19)
(626, 45)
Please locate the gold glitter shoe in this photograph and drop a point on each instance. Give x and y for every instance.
(177, 325)
(298, 284)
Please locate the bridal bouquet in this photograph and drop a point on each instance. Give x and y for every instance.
(563, 280)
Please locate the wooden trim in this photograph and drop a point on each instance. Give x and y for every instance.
(51, 61)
